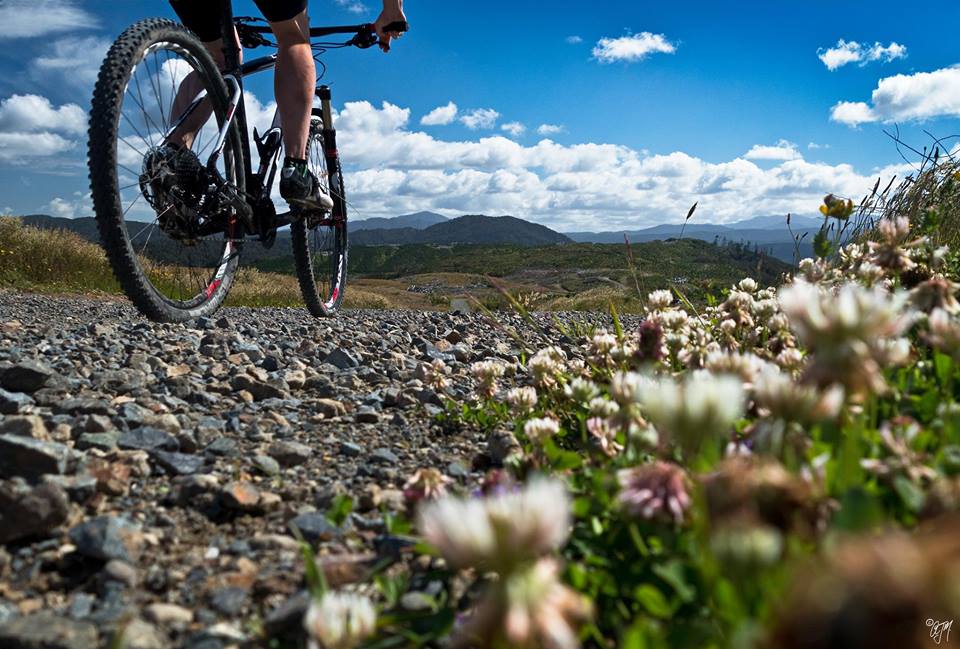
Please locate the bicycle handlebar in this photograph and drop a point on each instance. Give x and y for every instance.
(365, 34)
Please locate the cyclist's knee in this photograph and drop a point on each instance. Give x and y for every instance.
(295, 31)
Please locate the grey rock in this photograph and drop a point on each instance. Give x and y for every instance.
(350, 449)
(83, 406)
(384, 456)
(459, 306)
(81, 606)
(13, 402)
(48, 631)
(139, 634)
(457, 471)
(24, 426)
(121, 572)
(316, 527)
(341, 359)
(108, 537)
(266, 464)
(287, 619)
(79, 488)
(178, 463)
(289, 453)
(223, 447)
(261, 390)
(147, 438)
(230, 601)
(31, 458)
(26, 376)
(102, 441)
(26, 511)
(366, 415)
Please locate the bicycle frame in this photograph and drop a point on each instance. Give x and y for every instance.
(269, 144)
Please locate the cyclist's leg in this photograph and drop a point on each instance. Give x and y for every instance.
(203, 19)
(296, 75)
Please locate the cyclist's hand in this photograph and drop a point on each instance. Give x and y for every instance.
(387, 16)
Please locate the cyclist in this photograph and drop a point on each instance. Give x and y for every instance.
(294, 82)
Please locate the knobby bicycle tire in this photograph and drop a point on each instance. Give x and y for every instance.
(106, 111)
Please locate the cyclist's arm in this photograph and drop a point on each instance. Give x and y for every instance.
(392, 12)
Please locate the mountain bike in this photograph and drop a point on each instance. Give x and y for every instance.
(173, 218)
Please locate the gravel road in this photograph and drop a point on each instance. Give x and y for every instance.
(149, 473)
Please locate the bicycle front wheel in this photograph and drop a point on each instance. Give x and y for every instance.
(173, 248)
(320, 240)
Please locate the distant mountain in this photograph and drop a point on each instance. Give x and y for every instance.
(86, 227)
(768, 233)
(417, 221)
(469, 229)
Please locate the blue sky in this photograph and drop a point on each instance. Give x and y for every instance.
(580, 116)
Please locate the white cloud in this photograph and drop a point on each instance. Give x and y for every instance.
(550, 129)
(28, 18)
(25, 113)
(513, 128)
(440, 115)
(905, 97)
(353, 6)
(480, 118)
(396, 168)
(18, 148)
(77, 60)
(852, 113)
(845, 52)
(573, 40)
(6, 211)
(70, 208)
(813, 146)
(630, 48)
(782, 150)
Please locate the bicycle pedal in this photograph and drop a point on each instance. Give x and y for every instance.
(268, 239)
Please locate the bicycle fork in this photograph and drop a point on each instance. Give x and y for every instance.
(339, 213)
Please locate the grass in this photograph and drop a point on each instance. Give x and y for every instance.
(579, 277)
(60, 261)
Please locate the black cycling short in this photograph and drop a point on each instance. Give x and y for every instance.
(203, 16)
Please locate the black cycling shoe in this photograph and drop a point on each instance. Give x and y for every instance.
(299, 187)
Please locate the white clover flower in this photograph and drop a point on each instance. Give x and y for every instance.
(581, 390)
(944, 332)
(538, 430)
(739, 301)
(529, 608)
(601, 345)
(701, 406)
(778, 322)
(487, 372)
(546, 365)
(501, 531)
(673, 319)
(434, 374)
(765, 308)
(625, 387)
(745, 366)
(728, 326)
(340, 620)
(660, 299)
(605, 435)
(790, 358)
(848, 330)
(748, 285)
(784, 399)
(523, 399)
(602, 407)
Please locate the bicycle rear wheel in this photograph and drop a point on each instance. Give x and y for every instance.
(173, 248)
(320, 240)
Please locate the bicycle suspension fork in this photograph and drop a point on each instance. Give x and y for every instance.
(339, 212)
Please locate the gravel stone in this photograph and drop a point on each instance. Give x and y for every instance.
(147, 438)
(26, 376)
(48, 631)
(108, 537)
(289, 453)
(31, 458)
(26, 511)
